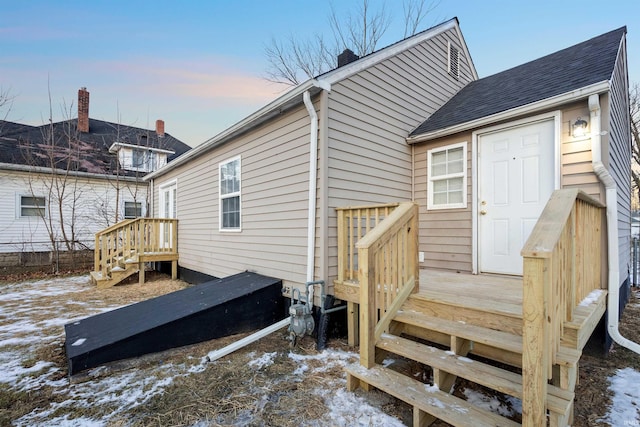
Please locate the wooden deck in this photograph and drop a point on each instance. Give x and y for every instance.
(520, 336)
(123, 249)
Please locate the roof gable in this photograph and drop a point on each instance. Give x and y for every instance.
(293, 97)
(573, 68)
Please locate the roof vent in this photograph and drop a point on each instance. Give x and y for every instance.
(453, 67)
(346, 57)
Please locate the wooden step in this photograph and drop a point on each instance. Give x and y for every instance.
(478, 334)
(559, 401)
(501, 340)
(585, 320)
(423, 397)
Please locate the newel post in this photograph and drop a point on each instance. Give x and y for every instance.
(535, 340)
(368, 310)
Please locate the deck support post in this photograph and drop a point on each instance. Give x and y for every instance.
(174, 269)
(353, 310)
(368, 311)
(141, 273)
(422, 418)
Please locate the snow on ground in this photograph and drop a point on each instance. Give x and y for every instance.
(26, 323)
(625, 409)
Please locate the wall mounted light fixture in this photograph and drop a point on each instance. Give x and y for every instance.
(579, 128)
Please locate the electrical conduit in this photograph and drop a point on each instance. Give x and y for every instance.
(611, 198)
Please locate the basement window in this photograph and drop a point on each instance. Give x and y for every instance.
(32, 206)
(229, 194)
(453, 63)
(447, 177)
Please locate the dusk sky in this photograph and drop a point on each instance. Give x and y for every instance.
(199, 65)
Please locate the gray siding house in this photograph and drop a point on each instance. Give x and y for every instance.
(410, 122)
(242, 197)
(517, 132)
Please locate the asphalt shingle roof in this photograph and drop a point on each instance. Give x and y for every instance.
(31, 145)
(569, 69)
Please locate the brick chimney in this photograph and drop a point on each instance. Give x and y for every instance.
(160, 128)
(347, 56)
(83, 110)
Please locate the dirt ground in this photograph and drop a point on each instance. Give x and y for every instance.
(264, 384)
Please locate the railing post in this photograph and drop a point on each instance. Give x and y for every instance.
(96, 253)
(174, 244)
(535, 340)
(342, 244)
(368, 309)
(412, 252)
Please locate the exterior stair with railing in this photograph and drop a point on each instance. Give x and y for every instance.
(123, 249)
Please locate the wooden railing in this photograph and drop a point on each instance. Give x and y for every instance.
(353, 224)
(562, 265)
(131, 238)
(387, 273)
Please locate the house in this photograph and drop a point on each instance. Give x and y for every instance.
(489, 216)
(62, 182)
(243, 197)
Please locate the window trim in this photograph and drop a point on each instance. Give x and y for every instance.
(463, 175)
(237, 194)
(19, 205)
(124, 209)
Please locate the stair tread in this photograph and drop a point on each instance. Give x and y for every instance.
(499, 379)
(444, 406)
(479, 334)
(491, 337)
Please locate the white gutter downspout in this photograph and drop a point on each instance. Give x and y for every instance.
(611, 198)
(313, 172)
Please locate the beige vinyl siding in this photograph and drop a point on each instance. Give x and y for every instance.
(620, 156)
(575, 154)
(445, 234)
(274, 200)
(95, 209)
(370, 115)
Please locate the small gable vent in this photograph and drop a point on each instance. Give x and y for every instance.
(454, 62)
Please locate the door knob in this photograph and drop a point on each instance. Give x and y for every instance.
(483, 212)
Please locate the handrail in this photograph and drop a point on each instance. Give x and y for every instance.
(387, 274)
(127, 240)
(353, 223)
(562, 265)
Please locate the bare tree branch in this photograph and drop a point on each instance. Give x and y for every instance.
(634, 115)
(294, 60)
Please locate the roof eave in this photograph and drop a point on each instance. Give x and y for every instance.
(543, 104)
(45, 170)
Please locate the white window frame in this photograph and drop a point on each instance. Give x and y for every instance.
(431, 179)
(124, 209)
(237, 194)
(19, 205)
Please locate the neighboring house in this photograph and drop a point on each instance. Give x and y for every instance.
(242, 198)
(487, 161)
(63, 182)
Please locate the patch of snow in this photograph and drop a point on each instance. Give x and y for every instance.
(78, 342)
(591, 298)
(264, 360)
(450, 353)
(431, 388)
(347, 409)
(465, 359)
(490, 403)
(625, 403)
(388, 362)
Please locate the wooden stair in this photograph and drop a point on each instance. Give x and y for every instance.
(123, 249)
(415, 335)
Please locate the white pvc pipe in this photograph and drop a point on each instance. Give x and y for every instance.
(217, 354)
(313, 168)
(611, 198)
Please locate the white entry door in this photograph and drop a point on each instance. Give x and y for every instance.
(516, 178)
(168, 209)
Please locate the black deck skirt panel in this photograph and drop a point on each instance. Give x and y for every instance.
(235, 304)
